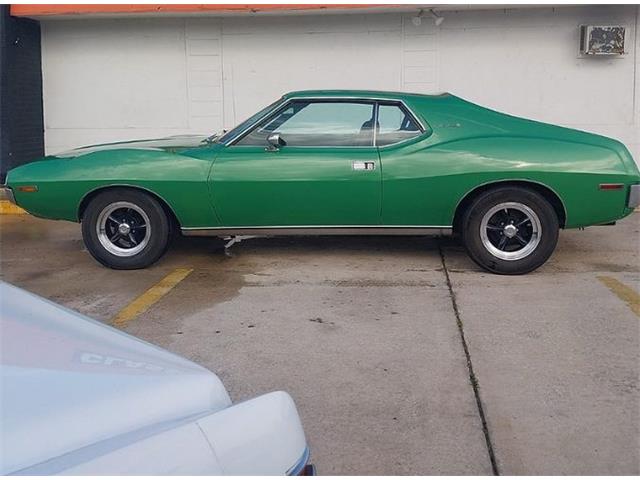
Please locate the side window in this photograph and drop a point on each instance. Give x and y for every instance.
(306, 123)
(395, 125)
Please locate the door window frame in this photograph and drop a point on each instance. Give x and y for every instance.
(270, 116)
(375, 102)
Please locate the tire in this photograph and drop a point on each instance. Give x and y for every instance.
(510, 230)
(113, 230)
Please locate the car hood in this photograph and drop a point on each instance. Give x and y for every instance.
(175, 144)
(68, 381)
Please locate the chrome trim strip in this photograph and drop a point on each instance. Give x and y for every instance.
(318, 230)
(300, 464)
(634, 196)
(376, 108)
(364, 99)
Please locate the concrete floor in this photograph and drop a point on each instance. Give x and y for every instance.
(362, 332)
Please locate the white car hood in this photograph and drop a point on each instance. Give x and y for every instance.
(67, 381)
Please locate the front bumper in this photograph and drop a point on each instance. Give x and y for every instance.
(302, 467)
(634, 196)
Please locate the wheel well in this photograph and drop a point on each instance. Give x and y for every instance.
(165, 206)
(543, 190)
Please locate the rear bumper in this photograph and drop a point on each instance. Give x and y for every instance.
(634, 196)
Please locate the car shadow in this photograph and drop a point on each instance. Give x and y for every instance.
(410, 245)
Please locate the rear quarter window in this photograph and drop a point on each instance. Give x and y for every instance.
(395, 124)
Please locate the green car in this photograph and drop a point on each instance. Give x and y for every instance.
(342, 162)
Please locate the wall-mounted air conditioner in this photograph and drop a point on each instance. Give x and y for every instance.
(602, 40)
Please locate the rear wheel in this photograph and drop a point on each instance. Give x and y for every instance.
(510, 230)
(125, 229)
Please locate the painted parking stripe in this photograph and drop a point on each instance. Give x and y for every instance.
(151, 296)
(8, 208)
(624, 293)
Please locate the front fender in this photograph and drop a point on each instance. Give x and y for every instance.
(62, 183)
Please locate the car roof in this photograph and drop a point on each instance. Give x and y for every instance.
(377, 94)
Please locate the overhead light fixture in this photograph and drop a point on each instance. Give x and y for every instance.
(436, 18)
(417, 20)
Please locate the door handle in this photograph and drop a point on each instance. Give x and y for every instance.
(364, 165)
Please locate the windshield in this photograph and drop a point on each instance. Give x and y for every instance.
(248, 122)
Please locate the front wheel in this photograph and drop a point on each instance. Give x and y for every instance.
(510, 230)
(125, 229)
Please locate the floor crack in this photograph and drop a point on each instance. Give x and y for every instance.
(472, 376)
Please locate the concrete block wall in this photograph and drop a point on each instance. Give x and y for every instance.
(527, 63)
(419, 55)
(203, 41)
(21, 128)
(116, 79)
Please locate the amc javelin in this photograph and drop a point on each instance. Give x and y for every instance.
(343, 162)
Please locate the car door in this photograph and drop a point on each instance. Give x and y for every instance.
(324, 172)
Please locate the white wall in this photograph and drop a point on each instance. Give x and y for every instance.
(135, 78)
(529, 66)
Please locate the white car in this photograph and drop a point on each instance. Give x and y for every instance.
(80, 398)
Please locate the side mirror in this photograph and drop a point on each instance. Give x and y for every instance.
(275, 141)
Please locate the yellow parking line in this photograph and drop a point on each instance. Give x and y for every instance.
(8, 208)
(148, 298)
(624, 293)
